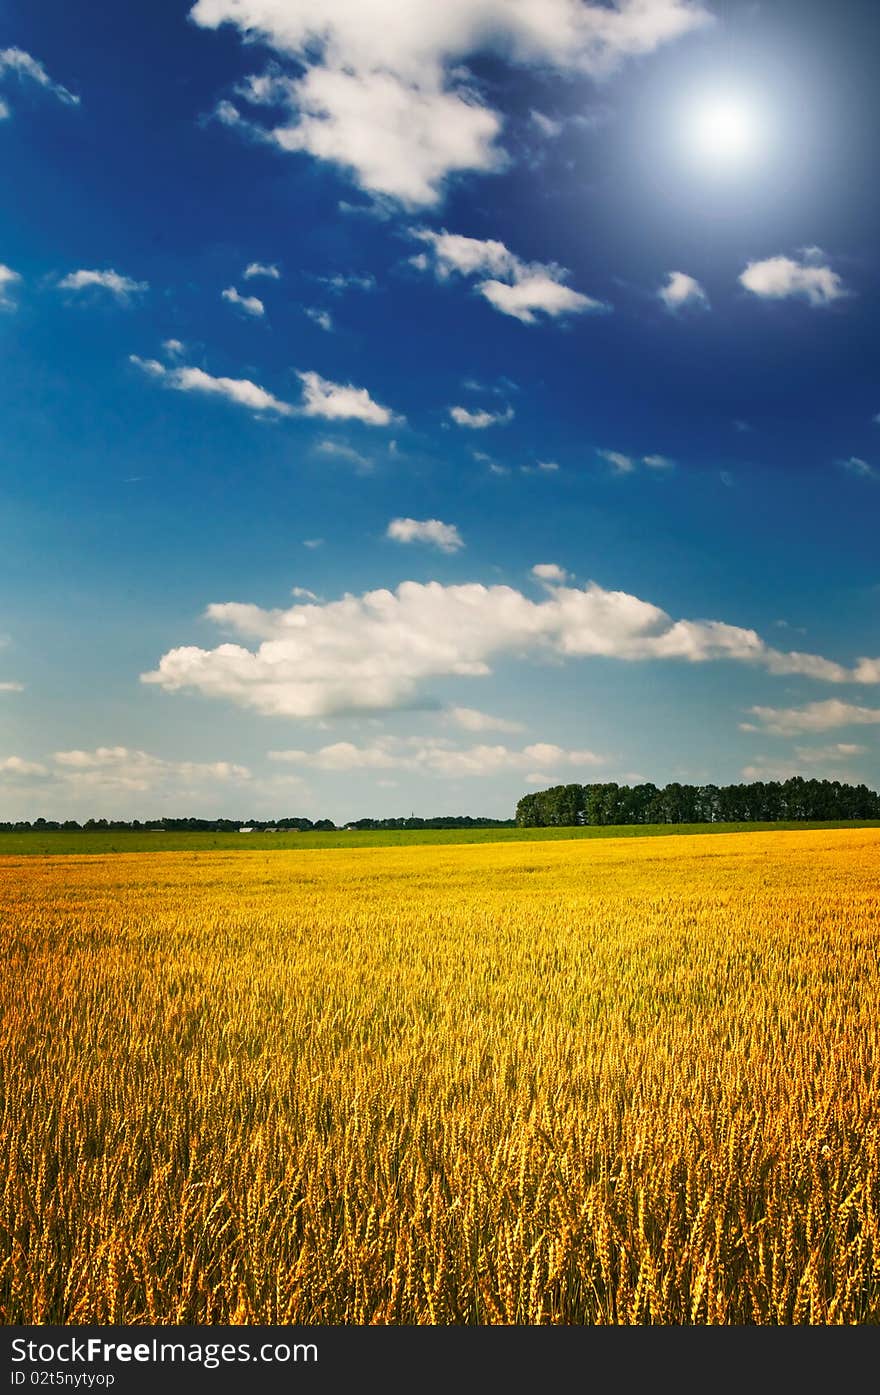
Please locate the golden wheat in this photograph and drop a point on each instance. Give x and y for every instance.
(582, 1082)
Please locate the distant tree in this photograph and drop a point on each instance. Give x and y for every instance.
(796, 799)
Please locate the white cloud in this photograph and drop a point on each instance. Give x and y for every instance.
(122, 287)
(548, 127)
(539, 292)
(425, 756)
(27, 68)
(340, 756)
(344, 452)
(528, 289)
(267, 269)
(813, 716)
(856, 466)
(263, 89)
(11, 687)
(813, 666)
(8, 278)
(377, 651)
(350, 282)
(16, 766)
(322, 318)
(493, 466)
(250, 304)
(471, 719)
(627, 464)
(550, 573)
(239, 390)
(548, 466)
(621, 464)
(120, 768)
(478, 421)
(406, 37)
(151, 366)
(466, 256)
(340, 401)
(396, 139)
(378, 208)
(384, 93)
(427, 530)
(228, 114)
(679, 290)
(173, 347)
(778, 278)
(5, 113)
(503, 385)
(312, 543)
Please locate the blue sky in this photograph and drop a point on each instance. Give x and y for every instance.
(405, 406)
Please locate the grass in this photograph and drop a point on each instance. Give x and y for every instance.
(594, 1082)
(52, 843)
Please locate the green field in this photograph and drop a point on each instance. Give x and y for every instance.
(115, 841)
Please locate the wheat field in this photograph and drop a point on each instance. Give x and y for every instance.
(617, 1082)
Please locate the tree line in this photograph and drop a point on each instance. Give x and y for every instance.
(285, 825)
(771, 801)
(168, 825)
(442, 821)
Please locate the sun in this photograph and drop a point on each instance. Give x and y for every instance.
(723, 130)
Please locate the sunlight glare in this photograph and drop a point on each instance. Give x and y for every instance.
(723, 130)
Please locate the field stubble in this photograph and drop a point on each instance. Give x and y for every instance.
(608, 1082)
